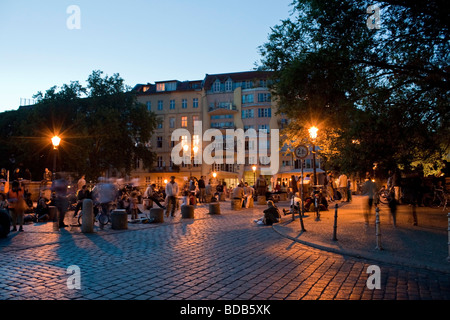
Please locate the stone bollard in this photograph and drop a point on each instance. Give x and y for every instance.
(187, 212)
(53, 214)
(157, 214)
(119, 219)
(87, 220)
(377, 229)
(236, 204)
(214, 208)
(262, 200)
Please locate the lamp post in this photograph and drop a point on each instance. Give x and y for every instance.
(55, 142)
(254, 175)
(313, 135)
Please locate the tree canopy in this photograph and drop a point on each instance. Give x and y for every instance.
(378, 95)
(102, 127)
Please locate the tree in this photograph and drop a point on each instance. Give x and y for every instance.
(379, 94)
(102, 128)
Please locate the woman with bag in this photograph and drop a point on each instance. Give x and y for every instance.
(17, 205)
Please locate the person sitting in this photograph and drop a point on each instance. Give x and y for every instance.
(295, 206)
(271, 215)
(151, 194)
(42, 210)
(238, 194)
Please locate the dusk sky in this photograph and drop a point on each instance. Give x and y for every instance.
(143, 41)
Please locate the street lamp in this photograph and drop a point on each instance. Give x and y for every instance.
(55, 142)
(254, 175)
(313, 135)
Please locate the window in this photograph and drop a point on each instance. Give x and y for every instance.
(264, 97)
(263, 127)
(160, 104)
(247, 98)
(184, 103)
(171, 122)
(159, 142)
(160, 162)
(195, 103)
(172, 104)
(194, 118)
(160, 87)
(216, 86)
(264, 112)
(229, 85)
(247, 113)
(263, 83)
(149, 106)
(160, 123)
(184, 121)
(248, 84)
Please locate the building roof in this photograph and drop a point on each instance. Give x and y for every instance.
(206, 83)
(235, 77)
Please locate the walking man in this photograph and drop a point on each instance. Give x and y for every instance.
(172, 196)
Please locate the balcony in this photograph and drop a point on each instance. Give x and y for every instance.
(165, 169)
(222, 108)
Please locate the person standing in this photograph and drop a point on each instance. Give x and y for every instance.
(16, 205)
(369, 189)
(59, 187)
(201, 187)
(172, 196)
(81, 182)
(248, 194)
(343, 186)
(261, 186)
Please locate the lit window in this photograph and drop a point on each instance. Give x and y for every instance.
(160, 87)
(184, 121)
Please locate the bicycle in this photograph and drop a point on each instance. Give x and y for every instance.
(102, 214)
(383, 195)
(442, 197)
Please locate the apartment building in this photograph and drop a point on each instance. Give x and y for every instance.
(240, 100)
(177, 104)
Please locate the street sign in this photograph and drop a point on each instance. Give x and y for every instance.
(301, 152)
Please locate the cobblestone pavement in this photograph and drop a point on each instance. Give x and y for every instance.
(211, 257)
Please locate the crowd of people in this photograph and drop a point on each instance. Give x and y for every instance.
(107, 194)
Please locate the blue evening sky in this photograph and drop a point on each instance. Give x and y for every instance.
(142, 40)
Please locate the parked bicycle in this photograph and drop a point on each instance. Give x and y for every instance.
(102, 213)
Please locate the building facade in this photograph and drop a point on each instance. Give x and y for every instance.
(224, 102)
